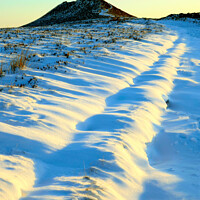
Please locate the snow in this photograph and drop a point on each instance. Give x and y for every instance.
(105, 13)
(176, 148)
(108, 110)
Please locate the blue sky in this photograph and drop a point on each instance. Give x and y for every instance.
(19, 12)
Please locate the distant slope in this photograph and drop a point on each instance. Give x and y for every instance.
(79, 10)
(183, 16)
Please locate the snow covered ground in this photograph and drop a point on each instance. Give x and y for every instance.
(107, 111)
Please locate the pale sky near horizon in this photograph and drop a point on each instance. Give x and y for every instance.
(19, 12)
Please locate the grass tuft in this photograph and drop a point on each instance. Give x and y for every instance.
(1, 70)
(19, 62)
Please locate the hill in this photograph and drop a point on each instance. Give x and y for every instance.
(183, 16)
(79, 10)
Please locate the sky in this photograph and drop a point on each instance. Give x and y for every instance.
(19, 12)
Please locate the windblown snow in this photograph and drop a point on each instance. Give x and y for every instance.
(100, 111)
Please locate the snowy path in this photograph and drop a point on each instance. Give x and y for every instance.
(88, 134)
(176, 149)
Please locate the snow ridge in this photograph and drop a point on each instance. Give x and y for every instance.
(131, 116)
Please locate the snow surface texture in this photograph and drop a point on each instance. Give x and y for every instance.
(102, 111)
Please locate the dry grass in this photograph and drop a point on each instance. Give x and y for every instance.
(19, 62)
(1, 70)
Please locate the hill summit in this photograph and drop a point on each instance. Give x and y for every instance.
(79, 10)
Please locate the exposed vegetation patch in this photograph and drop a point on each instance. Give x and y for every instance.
(19, 62)
(59, 49)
